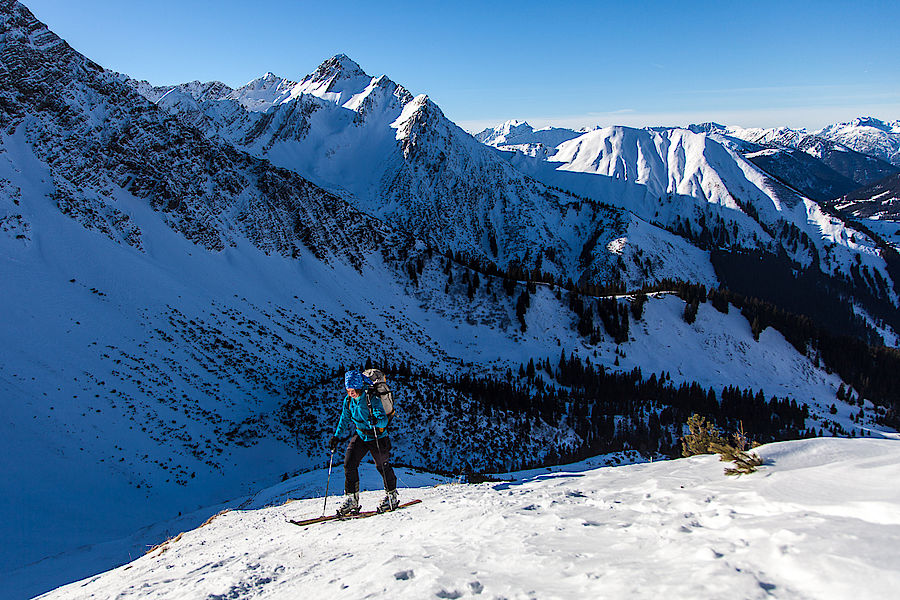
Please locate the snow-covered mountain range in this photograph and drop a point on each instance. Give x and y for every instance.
(188, 269)
(711, 185)
(822, 164)
(422, 173)
(426, 175)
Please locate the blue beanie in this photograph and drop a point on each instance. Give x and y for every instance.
(354, 380)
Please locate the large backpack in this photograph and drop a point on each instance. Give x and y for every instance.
(380, 390)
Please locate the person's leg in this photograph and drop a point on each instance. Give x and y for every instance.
(382, 455)
(356, 450)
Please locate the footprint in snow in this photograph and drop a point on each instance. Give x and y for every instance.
(404, 575)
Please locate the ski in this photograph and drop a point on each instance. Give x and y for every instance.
(361, 515)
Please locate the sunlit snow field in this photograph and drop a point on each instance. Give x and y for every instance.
(821, 519)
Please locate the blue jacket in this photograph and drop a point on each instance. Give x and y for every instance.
(356, 412)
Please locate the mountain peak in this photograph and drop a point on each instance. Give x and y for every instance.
(337, 68)
(707, 127)
(515, 123)
(870, 122)
(262, 93)
(266, 81)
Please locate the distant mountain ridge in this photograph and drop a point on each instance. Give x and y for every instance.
(519, 135)
(863, 167)
(426, 170)
(868, 135)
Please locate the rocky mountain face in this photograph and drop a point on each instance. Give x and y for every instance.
(98, 135)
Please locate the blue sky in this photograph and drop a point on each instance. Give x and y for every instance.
(757, 63)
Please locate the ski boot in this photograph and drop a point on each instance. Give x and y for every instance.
(391, 502)
(350, 505)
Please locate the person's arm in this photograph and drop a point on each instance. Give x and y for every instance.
(344, 421)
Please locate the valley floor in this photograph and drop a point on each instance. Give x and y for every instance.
(821, 519)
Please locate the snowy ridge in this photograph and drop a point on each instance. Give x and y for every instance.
(820, 520)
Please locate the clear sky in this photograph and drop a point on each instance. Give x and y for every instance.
(754, 63)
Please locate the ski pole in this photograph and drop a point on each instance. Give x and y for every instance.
(374, 431)
(328, 481)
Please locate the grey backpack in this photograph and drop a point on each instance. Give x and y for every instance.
(380, 390)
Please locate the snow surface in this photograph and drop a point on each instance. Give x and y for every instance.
(820, 520)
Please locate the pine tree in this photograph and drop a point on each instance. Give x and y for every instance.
(690, 311)
(702, 435)
(522, 307)
(744, 462)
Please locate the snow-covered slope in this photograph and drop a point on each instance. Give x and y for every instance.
(145, 379)
(148, 383)
(804, 172)
(821, 520)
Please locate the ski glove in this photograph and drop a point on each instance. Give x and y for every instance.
(333, 443)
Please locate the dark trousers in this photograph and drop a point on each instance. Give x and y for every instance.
(356, 452)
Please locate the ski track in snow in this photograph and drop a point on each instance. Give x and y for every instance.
(820, 520)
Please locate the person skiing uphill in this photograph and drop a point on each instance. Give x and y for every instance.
(368, 418)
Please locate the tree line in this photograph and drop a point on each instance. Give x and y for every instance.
(612, 411)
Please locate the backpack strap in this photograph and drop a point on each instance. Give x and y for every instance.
(380, 430)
